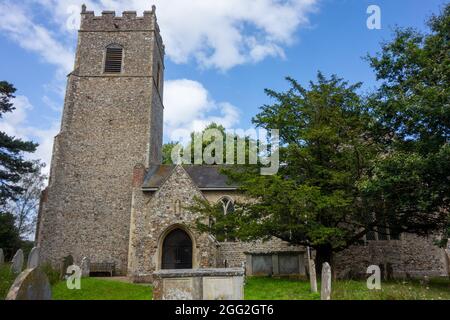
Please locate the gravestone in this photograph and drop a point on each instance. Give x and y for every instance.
(312, 276)
(66, 262)
(2, 257)
(85, 267)
(33, 258)
(326, 282)
(32, 284)
(17, 262)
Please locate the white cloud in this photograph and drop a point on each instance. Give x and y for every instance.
(217, 34)
(17, 124)
(17, 24)
(189, 107)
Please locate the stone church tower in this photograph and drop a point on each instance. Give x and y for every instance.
(112, 120)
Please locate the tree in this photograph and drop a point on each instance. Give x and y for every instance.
(12, 163)
(412, 105)
(351, 166)
(207, 138)
(9, 235)
(25, 207)
(314, 199)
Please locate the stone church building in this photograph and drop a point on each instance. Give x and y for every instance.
(110, 199)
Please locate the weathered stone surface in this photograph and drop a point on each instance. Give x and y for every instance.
(17, 262)
(31, 284)
(2, 257)
(110, 123)
(154, 217)
(201, 284)
(411, 256)
(312, 275)
(33, 258)
(325, 293)
(85, 267)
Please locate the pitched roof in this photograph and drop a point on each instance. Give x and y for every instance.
(204, 177)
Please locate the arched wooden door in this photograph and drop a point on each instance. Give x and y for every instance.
(177, 251)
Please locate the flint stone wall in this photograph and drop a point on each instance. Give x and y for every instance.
(412, 256)
(110, 123)
(154, 216)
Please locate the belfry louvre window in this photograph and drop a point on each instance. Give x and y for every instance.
(113, 59)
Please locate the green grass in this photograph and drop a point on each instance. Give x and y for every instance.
(257, 288)
(99, 289)
(6, 280)
(268, 289)
(284, 289)
(437, 289)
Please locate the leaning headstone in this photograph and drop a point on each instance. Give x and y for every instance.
(67, 262)
(33, 258)
(32, 284)
(326, 282)
(17, 262)
(312, 276)
(2, 257)
(85, 267)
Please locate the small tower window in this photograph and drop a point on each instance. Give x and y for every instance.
(113, 59)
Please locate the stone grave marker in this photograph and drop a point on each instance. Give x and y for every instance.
(33, 258)
(17, 262)
(326, 282)
(312, 276)
(85, 267)
(31, 284)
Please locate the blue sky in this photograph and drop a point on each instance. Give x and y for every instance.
(221, 54)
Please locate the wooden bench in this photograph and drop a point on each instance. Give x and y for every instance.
(103, 267)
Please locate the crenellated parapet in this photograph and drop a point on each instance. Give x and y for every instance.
(128, 21)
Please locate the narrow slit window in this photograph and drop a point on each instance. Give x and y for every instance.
(113, 59)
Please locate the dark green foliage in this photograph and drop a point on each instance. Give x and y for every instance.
(12, 163)
(353, 165)
(9, 235)
(412, 106)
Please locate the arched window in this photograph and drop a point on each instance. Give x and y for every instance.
(228, 205)
(225, 235)
(113, 59)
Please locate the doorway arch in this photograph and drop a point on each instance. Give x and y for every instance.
(177, 250)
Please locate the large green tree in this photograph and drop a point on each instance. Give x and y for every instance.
(352, 166)
(412, 108)
(12, 162)
(325, 150)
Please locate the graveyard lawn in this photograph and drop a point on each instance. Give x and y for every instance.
(268, 289)
(6, 280)
(285, 289)
(102, 289)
